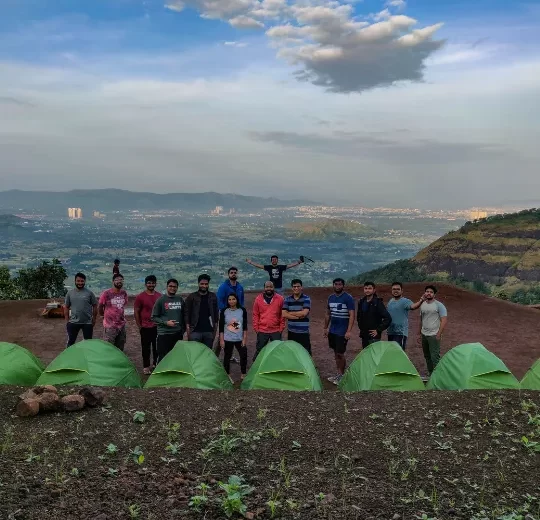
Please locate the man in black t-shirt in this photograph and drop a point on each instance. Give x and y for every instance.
(275, 270)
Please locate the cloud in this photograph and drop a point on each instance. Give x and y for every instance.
(175, 5)
(329, 45)
(235, 44)
(245, 22)
(8, 100)
(418, 151)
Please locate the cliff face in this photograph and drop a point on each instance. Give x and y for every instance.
(492, 250)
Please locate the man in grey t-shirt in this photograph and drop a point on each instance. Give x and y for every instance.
(83, 306)
(433, 319)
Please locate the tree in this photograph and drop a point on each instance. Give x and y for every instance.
(8, 289)
(41, 282)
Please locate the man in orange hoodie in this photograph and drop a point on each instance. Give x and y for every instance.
(268, 321)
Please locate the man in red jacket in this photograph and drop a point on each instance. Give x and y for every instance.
(268, 321)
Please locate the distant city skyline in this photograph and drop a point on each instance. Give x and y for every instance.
(416, 103)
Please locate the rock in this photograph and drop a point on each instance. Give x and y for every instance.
(249, 515)
(29, 394)
(73, 403)
(27, 408)
(397, 516)
(49, 402)
(45, 388)
(93, 396)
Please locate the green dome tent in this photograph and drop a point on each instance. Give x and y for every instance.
(531, 380)
(471, 367)
(382, 366)
(190, 365)
(283, 365)
(91, 362)
(19, 366)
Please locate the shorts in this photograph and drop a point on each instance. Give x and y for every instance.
(337, 343)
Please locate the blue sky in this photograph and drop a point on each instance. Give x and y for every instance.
(370, 102)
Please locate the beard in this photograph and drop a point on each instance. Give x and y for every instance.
(203, 291)
(269, 293)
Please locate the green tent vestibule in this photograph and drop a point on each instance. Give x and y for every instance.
(381, 366)
(283, 365)
(531, 380)
(18, 366)
(91, 362)
(471, 367)
(190, 365)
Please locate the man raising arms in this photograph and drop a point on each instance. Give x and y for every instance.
(84, 307)
(275, 270)
(144, 304)
(168, 314)
(433, 320)
(338, 324)
(111, 306)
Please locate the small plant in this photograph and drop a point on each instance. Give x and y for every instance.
(112, 449)
(173, 432)
(292, 504)
(173, 448)
(273, 505)
(319, 497)
(139, 417)
(134, 511)
(261, 413)
(296, 445)
(74, 472)
(530, 445)
(284, 472)
(197, 502)
(235, 491)
(31, 457)
(112, 472)
(137, 455)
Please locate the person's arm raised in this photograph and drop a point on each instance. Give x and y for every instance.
(254, 264)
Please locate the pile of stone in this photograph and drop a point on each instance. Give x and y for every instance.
(45, 399)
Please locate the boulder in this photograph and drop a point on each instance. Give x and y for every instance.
(45, 388)
(93, 396)
(73, 403)
(49, 402)
(27, 408)
(29, 394)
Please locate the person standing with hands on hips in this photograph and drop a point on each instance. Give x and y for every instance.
(168, 314)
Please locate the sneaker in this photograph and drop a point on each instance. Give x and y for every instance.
(235, 360)
(333, 378)
(242, 377)
(337, 379)
(231, 379)
(147, 371)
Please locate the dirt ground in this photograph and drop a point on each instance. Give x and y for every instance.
(509, 330)
(305, 456)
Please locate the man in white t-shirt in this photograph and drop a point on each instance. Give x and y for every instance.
(433, 319)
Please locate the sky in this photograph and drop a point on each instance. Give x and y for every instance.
(402, 103)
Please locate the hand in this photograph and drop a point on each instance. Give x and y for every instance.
(243, 344)
(348, 335)
(248, 260)
(221, 343)
(438, 336)
(171, 323)
(373, 333)
(325, 333)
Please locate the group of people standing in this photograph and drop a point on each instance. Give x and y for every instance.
(220, 320)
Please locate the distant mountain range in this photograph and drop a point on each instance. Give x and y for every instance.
(122, 200)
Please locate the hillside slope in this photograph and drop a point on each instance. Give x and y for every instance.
(498, 255)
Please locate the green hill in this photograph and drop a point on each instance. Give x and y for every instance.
(327, 229)
(498, 254)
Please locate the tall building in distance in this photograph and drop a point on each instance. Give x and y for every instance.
(218, 210)
(75, 213)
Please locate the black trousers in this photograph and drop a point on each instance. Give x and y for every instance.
(368, 340)
(166, 342)
(398, 338)
(148, 344)
(302, 338)
(73, 331)
(263, 338)
(229, 349)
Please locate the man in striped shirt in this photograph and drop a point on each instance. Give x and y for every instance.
(296, 309)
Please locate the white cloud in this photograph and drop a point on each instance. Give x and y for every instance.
(235, 44)
(245, 22)
(329, 45)
(175, 5)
